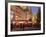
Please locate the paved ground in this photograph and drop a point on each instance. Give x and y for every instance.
(26, 28)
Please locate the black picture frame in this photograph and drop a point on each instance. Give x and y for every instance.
(6, 17)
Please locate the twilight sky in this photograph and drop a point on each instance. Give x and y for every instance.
(34, 9)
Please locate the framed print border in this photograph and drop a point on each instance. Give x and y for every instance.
(6, 17)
